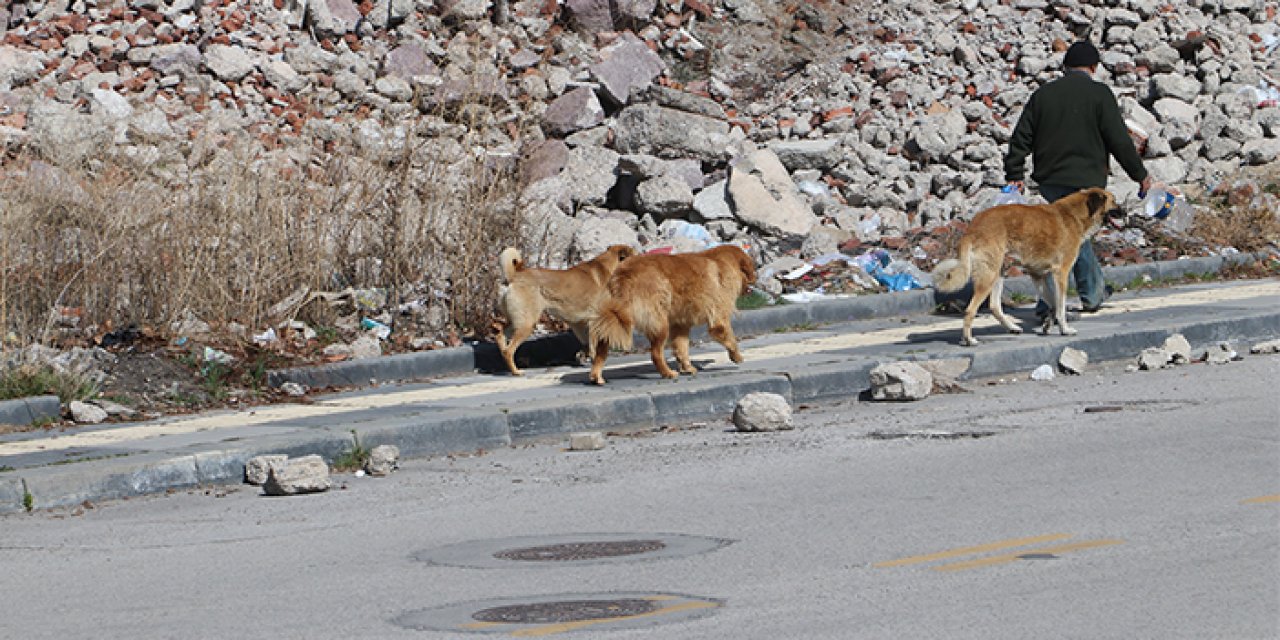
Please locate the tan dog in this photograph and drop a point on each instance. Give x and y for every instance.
(1044, 238)
(571, 294)
(665, 297)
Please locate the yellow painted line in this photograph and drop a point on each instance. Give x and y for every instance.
(1262, 499)
(964, 551)
(986, 562)
(552, 629)
(437, 393)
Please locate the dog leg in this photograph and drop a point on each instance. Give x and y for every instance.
(680, 348)
(1060, 310)
(581, 331)
(721, 331)
(658, 341)
(597, 361)
(997, 307)
(508, 344)
(1046, 291)
(982, 286)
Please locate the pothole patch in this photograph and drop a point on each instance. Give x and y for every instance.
(548, 615)
(569, 550)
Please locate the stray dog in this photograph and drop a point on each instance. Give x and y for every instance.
(1044, 238)
(570, 294)
(665, 297)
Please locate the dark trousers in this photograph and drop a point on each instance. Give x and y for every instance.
(1087, 271)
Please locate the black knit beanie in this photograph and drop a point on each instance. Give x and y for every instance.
(1081, 54)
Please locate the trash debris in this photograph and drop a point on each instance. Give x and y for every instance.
(214, 356)
(379, 330)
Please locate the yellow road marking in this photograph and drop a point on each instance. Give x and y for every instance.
(985, 562)
(964, 551)
(551, 629)
(458, 391)
(1262, 499)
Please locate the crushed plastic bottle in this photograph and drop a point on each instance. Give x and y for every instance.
(1161, 204)
(1009, 194)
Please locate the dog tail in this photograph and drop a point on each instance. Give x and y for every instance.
(511, 263)
(952, 274)
(613, 325)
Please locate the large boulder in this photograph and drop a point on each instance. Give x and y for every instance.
(764, 197)
(625, 67)
(668, 133)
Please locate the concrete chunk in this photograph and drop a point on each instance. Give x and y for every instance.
(258, 468)
(586, 441)
(1072, 361)
(762, 411)
(308, 474)
(900, 381)
(383, 459)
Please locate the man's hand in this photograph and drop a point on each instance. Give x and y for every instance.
(1145, 186)
(1018, 184)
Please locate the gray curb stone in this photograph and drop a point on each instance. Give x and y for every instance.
(683, 400)
(438, 434)
(25, 411)
(12, 491)
(71, 484)
(550, 417)
(836, 380)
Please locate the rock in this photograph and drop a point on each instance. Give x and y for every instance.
(946, 372)
(1268, 347)
(1154, 358)
(586, 441)
(1221, 354)
(366, 346)
(408, 61)
(543, 160)
(595, 234)
(1259, 151)
(466, 9)
(763, 196)
(85, 413)
(293, 389)
(664, 197)
(900, 381)
(808, 154)
(383, 459)
(258, 468)
(593, 172)
(1072, 361)
(110, 104)
(625, 67)
(591, 15)
(228, 63)
(668, 133)
(308, 474)
(18, 67)
(760, 411)
(115, 409)
(712, 203)
(332, 17)
(1178, 347)
(575, 110)
(1043, 373)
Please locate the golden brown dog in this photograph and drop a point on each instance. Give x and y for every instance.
(665, 297)
(1044, 238)
(571, 294)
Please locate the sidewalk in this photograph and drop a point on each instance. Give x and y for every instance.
(826, 353)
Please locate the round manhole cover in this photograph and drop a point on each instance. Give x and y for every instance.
(572, 549)
(547, 615)
(591, 550)
(566, 611)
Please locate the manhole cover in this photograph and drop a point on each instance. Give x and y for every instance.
(572, 549)
(547, 615)
(566, 611)
(581, 550)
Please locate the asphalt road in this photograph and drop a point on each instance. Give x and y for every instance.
(1109, 505)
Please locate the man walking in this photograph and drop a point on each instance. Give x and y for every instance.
(1071, 127)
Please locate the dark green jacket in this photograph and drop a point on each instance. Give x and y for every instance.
(1069, 127)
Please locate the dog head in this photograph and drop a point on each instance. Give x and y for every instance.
(616, 254)
(1103, 208)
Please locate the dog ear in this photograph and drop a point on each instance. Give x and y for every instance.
(1097, 201)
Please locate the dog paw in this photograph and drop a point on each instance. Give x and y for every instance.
(1014, 329)
(1068, 331)
(736, 358)
(968, 342)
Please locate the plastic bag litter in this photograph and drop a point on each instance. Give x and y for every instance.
(895, 275)
(688, 231)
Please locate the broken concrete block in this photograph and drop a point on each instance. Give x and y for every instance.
(1073, 361)
(1043, 373)
(1270, 346)
(308, 474)
(1154, 358)
(258, 467)
(1221, 354)
(762, 411)
(1178, 348)
(85, 413)
(900, 381)
(383, 459)
(586, 441)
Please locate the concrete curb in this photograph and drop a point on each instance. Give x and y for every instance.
(26, 411)
(560, 349)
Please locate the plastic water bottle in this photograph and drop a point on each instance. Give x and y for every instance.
(1160, 204)
(1009, 194)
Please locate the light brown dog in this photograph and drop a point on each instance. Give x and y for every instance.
(1044, 238)
(570, 294)
(665, 297)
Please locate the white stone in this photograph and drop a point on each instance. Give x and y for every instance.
(1221, 354)
(761, 411)
(383, 459)
(1043, 373)
(294, 389)
(1073, 361)
(1154, 358)
(258, 468)
(308, 474)
(900, 381)
(1178, 347)
(586, 441)
(85, 413)
(1270, 346)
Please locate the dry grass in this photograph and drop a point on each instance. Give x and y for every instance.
(229, 230)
